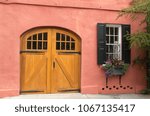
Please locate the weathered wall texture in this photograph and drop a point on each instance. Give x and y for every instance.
(97, 4)
(80, 16)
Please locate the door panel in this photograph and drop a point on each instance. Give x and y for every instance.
(33, 73)
(66, 57)
(66, 73)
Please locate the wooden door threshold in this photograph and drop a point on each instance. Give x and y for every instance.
(70, 90)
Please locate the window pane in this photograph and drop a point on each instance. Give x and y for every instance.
(58, 36)
(110, 56)
(28, 44)
(111, 49)
(116, 31)
(39, 45)
(29, 38)
(35, 37)
(115, 49)
(113, 42)
(107, 49)
(115, 56)
(63, 46)
(34, 44)
(107, 30)
(40, 36)
(112, 39)
(111, 30)
(63, 37)
(44, 45)
(116, 39)
(107, 39)
(45, 36)
(72, 46)
(68, 38)
(57, 45)
(68, 46)
(107, 56)
(72, 39)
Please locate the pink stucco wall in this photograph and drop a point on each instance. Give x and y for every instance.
(80, 16)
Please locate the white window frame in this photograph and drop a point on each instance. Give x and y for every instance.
(119, 38)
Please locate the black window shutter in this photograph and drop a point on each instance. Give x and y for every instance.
(126, 55)
(101, 43)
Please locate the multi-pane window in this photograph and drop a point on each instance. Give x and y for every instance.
(37, 41)
(113, 42)
(64, 42)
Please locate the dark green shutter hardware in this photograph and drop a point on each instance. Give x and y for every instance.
(101, 43)
(126, 52)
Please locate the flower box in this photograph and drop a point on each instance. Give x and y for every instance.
(115, 68)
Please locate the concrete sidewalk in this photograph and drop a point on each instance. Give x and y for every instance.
(81, 96)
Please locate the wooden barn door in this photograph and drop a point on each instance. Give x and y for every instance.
(66, 62)
(50, 61)
(35, 61)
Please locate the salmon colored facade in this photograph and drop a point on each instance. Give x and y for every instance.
(79, 16)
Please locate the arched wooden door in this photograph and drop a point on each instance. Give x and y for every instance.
(50, 61)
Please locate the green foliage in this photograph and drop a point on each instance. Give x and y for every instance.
(137, 6)
(106, 66)
(139, 39)
(125, 67)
